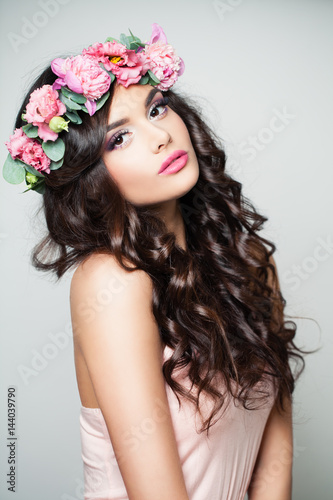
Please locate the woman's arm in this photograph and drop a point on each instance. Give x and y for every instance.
(119, 338)
(272, 474)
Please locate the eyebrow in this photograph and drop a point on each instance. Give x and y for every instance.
(121, 122)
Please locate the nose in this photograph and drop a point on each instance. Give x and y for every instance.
(159, 138)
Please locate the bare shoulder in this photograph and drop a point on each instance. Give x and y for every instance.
(119, 338)
(100, 270)
(100, 282)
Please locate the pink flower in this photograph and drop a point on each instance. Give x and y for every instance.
(111, 54)
(43, 105)
(127, 65)
(82, 74)
(22, 147)
(34, 156)
(17, 143)
(164, 62)
(127, 75)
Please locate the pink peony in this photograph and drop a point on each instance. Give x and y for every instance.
(34, 156)
(22, 147)
(82, 74)
(17, 143)
(164, 63)
(44, 105)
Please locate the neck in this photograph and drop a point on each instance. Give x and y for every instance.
(171, 215)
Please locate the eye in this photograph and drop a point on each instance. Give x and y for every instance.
(159, 108)
(117, 140)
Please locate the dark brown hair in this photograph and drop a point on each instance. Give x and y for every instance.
(213, 303)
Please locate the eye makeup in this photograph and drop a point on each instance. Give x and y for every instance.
(112, 144)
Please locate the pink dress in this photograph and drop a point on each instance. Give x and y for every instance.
(215, 468)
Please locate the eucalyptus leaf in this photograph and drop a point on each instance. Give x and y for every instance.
(74, 117)
(102, 100)
(13, 170)
(55, 150)
(33, 171)
(74, 96)
(144, 80)
(111, 39)
(134, 45)
(135, 38)
(54, 165)
(153, 77)
(30, 131)
(69, 103)
(39, 187)
(124, 40)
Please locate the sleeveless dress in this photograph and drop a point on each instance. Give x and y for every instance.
(215, 468)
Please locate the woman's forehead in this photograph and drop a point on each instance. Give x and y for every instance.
(128, 100)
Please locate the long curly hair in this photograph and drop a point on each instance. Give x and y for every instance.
(213, 302)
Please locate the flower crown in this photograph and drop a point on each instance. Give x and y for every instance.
(83, 85)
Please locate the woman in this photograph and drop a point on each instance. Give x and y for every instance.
(181, 347)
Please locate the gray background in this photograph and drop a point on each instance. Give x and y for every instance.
(246, 62)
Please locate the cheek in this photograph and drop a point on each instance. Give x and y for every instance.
(127, 168)
(179, 128)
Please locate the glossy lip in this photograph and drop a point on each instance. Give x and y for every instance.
(170, 158)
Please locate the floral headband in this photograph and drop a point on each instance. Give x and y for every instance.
(83, 85)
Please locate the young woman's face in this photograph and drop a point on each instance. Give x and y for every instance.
(145, 132)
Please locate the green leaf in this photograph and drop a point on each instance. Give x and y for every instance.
(55, 150)
(13, 170)
(124, 40)
(135, 45)
(79, 98)
(135, 38)
(102, 100)
(68, 102)
(144, 80)
(38, 186)
(22, 117)
(32, 170)
(54, 165)
(111, 39)
(153, 77)
(30, 130)
(74, 117)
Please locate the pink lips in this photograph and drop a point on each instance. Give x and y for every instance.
(181, 154)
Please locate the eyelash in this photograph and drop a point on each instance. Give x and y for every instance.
(112, 143)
